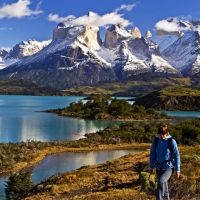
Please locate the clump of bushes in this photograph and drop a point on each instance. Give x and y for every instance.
(147, 182)
(18, 186)
(187, 132)
(103, 107)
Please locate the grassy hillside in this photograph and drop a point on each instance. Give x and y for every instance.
(20, 87)
(172, 98)
(178, 91)
(129, 88)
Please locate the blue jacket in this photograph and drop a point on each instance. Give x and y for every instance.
(163, 153)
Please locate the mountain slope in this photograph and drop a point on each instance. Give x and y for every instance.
(184, 53)
(77, 56)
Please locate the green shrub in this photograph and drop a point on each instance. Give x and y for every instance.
(18, 186)
(147, 183)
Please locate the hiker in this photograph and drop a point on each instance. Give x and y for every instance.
(164, 156)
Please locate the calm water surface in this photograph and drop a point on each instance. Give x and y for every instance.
(183, 114)
(65, 162)
(19, 120)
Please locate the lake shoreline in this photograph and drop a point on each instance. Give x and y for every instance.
(60, 149)
(106, 119)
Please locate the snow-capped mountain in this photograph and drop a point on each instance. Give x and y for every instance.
(179, 44)
(184, 53)
(164, 40)
(26, 48)
(3, 53)
(21, 50)
(77, 56)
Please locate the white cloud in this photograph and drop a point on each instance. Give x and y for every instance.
(127, 7)
(19, 9)
(168, 26)
(93, 19)
(177, 24)
(56, 18)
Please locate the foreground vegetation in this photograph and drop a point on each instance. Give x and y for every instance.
(120, 179)
(186, 133)
(15, 157)
(103, 107)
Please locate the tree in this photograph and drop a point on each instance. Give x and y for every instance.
(119, 107)
(18, 185)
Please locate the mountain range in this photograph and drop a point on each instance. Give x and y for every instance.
(78, 56)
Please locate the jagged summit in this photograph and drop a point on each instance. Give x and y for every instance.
(136, 33)
(87, 35)
(148, 34)
(26, 48)
(115, 34)
(21, 50)
(77, 56)
(176, 26)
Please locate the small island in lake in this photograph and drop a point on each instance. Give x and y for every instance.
(104, 107)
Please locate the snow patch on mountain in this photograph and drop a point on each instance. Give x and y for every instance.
(161, 65)
(183, 54)
(26, 48)
(196, 66)
(164, 41)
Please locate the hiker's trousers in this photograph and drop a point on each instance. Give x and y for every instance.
(163, 176)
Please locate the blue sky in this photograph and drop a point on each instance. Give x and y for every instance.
(28, 19)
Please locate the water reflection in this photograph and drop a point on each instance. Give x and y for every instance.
(20, 122)
(64, 162)
(46, 127)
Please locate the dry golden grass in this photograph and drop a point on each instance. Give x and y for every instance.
(118, 180)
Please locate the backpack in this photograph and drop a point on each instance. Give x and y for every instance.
(170, 147)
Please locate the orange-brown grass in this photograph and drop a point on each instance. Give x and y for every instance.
(118, 180)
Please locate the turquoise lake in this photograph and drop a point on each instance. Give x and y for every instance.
(20, 121)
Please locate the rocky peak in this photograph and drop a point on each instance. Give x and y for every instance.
(148, 34)
(26, 48)
(114, 34)
(87, 35)
(136, 33)
(3, 53)
(91, 37)
(123, 49)
(65, 32)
